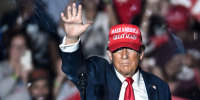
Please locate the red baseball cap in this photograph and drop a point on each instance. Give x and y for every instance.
(177, 18)
(124, 35)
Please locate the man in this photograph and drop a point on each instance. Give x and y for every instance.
(122, 79)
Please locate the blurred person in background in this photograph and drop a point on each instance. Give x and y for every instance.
(149, 9)
(183, 24)
(39, 85)
(173, 31)
(63, 88)
(15, 68)
(94, 39)
(192, 60)
(31, 16)
(160, 41)
(27, 12)
(170, 36)
(188, 76)
(172, 69)
(55, 7)
(181, 77)
(148, 64)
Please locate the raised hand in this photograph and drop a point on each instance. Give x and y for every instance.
(73, 24)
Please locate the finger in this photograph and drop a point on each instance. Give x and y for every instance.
(69, 12)
(79, 11)
(63, 17)
(74, 10)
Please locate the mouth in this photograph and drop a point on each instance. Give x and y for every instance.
(125, 63)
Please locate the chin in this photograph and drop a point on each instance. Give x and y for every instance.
(125, 73)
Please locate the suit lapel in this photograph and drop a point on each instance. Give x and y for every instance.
(152, 88)
(113, 83)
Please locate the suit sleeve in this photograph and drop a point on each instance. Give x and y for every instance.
(168, 93)
(71, 64)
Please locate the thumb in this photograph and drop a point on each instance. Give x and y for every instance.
(89, 23)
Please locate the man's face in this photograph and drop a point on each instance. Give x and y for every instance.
(125, 61)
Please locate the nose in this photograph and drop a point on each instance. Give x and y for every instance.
(124, 53)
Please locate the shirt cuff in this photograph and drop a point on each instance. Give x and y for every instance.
(69, 48)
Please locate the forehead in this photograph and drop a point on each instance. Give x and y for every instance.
(120, 49)
(18, 40)
(41, 81)
(18, 36)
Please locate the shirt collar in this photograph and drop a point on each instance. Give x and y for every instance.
(135, 77)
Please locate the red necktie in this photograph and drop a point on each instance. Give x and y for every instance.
(129, 94)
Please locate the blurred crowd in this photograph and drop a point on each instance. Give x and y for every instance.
(31, 31)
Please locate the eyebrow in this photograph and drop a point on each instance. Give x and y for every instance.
(121, 49)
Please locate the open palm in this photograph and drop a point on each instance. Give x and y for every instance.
(73, 24)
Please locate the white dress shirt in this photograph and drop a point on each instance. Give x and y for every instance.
(139, 88)
(138, 85)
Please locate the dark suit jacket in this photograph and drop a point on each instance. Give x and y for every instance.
(102, 81)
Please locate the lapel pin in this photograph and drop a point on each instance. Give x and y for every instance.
(154, 87)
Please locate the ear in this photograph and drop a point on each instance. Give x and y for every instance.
(109, 54)
(142, 55)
